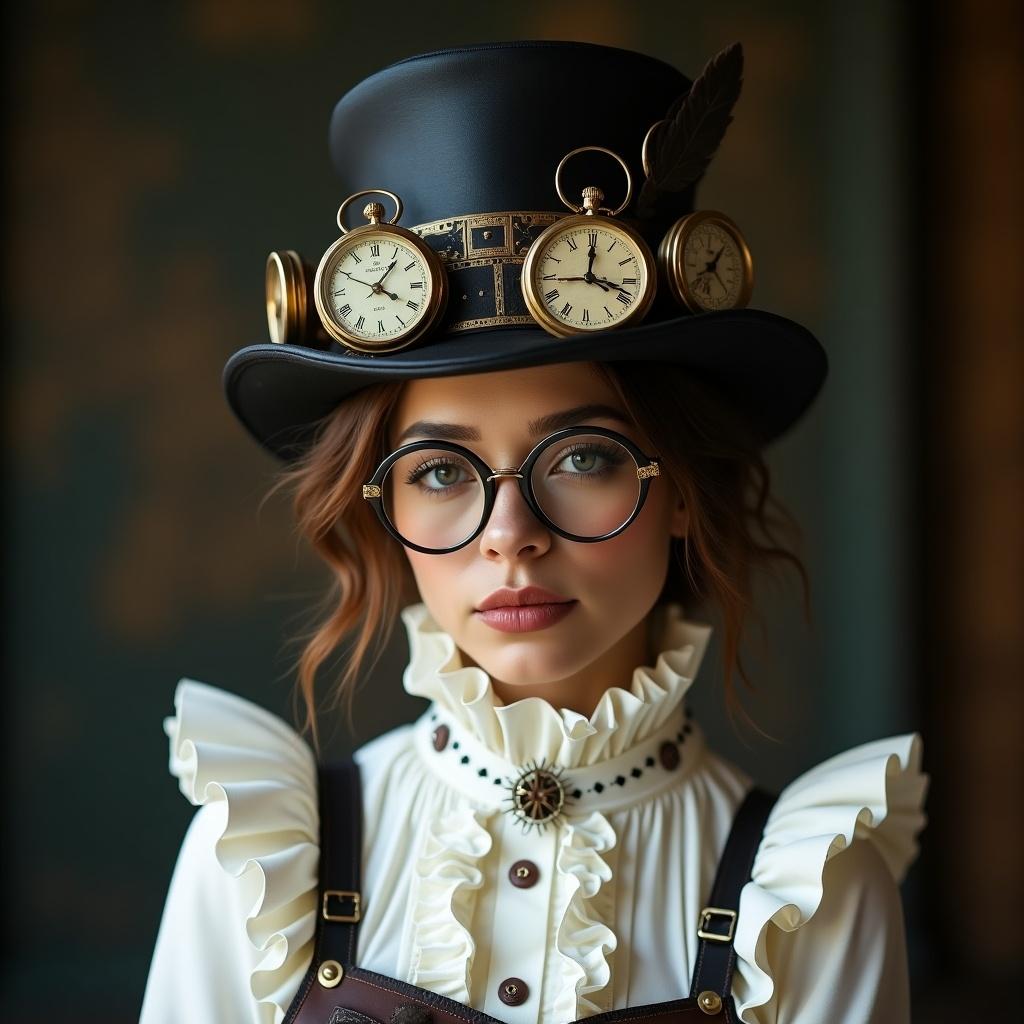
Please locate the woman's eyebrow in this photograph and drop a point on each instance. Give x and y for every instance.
(542, 425)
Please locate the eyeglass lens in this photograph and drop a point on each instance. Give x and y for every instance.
(586, 484)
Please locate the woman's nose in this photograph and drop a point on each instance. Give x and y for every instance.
(513, 531)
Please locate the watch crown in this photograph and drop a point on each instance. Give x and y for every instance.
(373, 212)
(592, 198)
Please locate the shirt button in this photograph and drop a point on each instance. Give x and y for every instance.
(441, 737)
(513, 991)
(669, 755)
(523, 874)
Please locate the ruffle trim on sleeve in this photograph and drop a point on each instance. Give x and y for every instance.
(583, 940)
(874, 792)
(228, 751)
(447, 874)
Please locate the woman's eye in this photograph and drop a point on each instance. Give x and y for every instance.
(436, 476)
(588, 460)
(579, 462)
(445, 476)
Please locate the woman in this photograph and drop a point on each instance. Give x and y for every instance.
(551, 839)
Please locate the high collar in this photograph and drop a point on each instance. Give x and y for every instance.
(532, 729)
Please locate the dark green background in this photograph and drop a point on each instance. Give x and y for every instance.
(157, 153)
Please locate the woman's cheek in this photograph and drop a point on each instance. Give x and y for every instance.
(636, 555)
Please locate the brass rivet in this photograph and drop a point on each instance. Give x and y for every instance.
(488, 235)
(480, 293)
(523, 872)
(710, 1002)
(330, 973)
(511, 989)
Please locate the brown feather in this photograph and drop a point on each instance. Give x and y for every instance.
(695, 125)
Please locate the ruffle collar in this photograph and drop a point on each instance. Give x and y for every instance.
(532, 729)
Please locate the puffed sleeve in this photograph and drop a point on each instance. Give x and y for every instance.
(820, 933)
(848, 964)
(201, 962)
(236, 935)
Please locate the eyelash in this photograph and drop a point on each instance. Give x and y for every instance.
(607, 451)
(417, 472)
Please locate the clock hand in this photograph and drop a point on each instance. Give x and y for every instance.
(379, 288)
(717, 278)
(375, 289)
(709, 268)
(590, 264)
(593, 280)
(356, 279)
(611, 284)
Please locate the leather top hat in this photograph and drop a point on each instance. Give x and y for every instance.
(496, 265)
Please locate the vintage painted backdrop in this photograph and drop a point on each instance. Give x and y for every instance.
(157, 152)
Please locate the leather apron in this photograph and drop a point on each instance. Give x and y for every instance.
(336, 991)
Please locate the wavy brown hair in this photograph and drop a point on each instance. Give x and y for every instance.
(736, 526)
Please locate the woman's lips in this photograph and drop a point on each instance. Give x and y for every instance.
(527, 617)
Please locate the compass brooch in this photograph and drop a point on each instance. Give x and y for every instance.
(538, 795)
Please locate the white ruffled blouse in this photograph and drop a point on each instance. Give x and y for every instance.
(610, 921)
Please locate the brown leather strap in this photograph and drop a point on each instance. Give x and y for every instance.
(366, 995)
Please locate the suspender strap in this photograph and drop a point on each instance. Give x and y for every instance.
(340, 902)
(341, 828)
(712, 975)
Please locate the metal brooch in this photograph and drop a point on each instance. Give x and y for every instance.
(537, 797)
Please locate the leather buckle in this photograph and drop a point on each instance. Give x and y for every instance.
(341, 894)
(704, 923)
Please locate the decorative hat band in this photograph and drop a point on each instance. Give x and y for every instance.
(483, 254)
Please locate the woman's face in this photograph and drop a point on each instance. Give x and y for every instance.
(610, 585)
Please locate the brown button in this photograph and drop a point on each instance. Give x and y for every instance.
(513, 991)
(669, 755)
(441, 735)
(523, 874)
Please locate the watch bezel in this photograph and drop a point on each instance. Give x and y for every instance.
(535, 301)
(671, 260)
(436, 302)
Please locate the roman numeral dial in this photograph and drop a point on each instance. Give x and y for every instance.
(588, 273)
(379, 287)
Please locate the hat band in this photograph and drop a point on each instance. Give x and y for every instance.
(483, 254)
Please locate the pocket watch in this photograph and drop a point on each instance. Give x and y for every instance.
(379, 287)
(588, 271)
(705, 262)
(291, 319)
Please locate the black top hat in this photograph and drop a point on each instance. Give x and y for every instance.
(480, 130)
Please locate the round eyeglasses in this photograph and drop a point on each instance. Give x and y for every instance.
(584, 483)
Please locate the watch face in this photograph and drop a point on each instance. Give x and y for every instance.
(590, 276)
(376, 287)
(713, 267)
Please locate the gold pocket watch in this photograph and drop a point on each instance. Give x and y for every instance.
(703, 259)
(706, 263)
(589, 272)
(290, 317)
(379, 287)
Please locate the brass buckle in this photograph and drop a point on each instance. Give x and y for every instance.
(705, 920)
(341, 894)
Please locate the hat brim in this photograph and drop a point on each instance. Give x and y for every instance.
(769, 367)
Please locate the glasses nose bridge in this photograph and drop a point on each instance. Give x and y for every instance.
(506, 471)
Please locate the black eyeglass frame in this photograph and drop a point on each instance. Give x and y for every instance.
(647, 466)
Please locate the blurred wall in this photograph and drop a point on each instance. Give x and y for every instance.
(156, 154)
